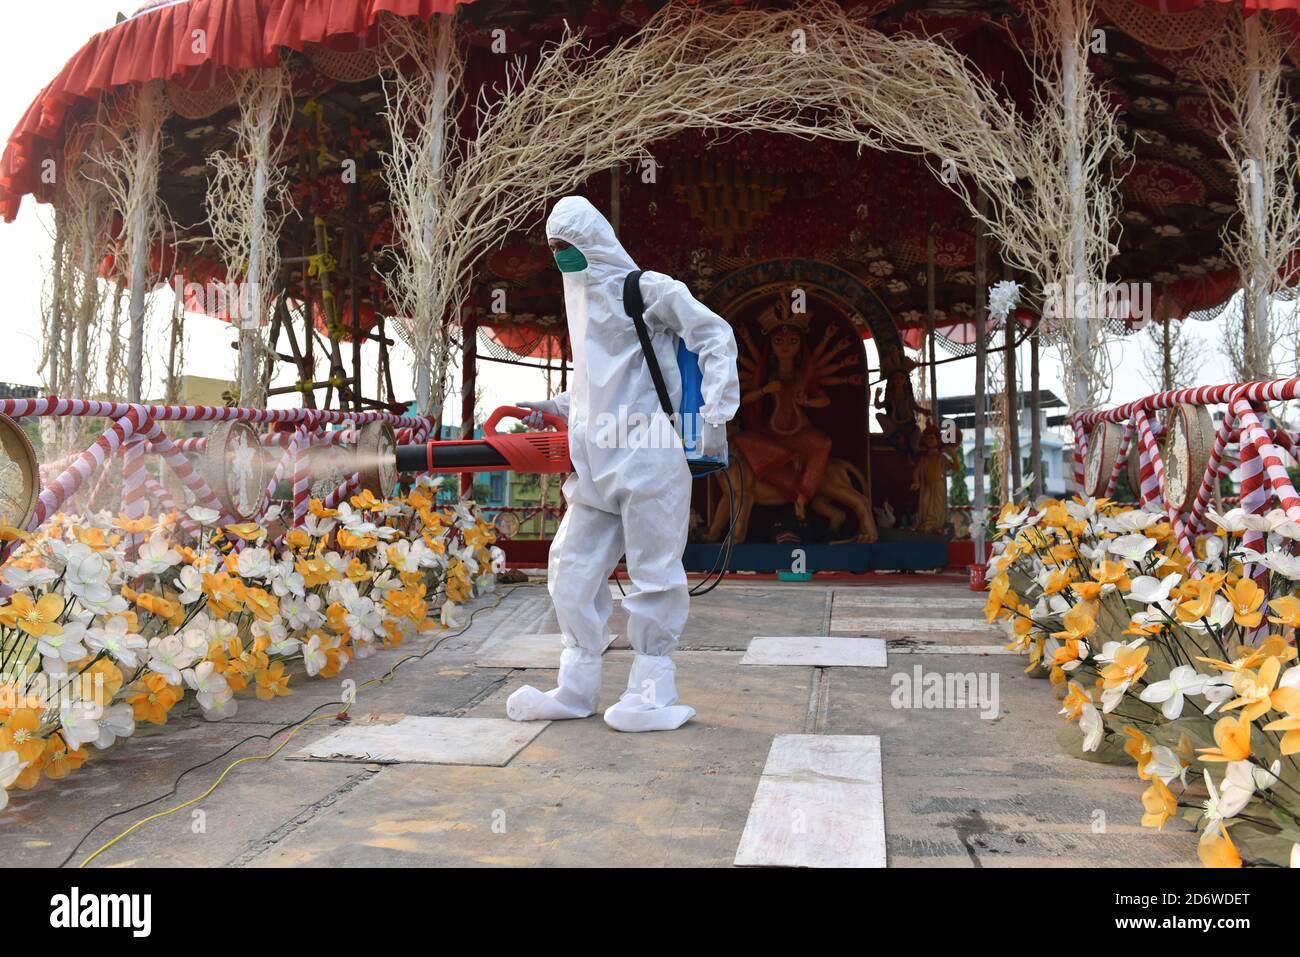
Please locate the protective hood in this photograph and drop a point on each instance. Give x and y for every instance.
(577, 222)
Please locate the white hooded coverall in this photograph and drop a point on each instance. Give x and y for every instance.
(627, 494)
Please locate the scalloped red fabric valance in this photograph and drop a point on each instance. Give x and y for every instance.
(159, 43)
(162, 42)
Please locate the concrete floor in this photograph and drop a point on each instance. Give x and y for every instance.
(959, 790)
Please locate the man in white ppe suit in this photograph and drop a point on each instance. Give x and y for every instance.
(628, 494)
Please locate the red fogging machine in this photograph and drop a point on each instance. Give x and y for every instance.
(495, 452)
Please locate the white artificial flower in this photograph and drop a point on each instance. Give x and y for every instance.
(1218, 808)
(1183, 680)
(272, 514)
(254, 563)
(1166, 765)
(116, 641)
(1136, 520)
(85, 572)
(448, 614)
(1217, 691)
(315, 652)
(274, 630)
(1148, 590)
(209, 684)
(65, 646)
(1014, 520)
(203, 516)
(285, 580)
(155, 556)
(10, 768)
(301, 611)
(1234, 520)
(1288, 566)
(318, 527)
(363, 619)
(189, 585)
(102, 601)
(16, 577)
(1133, 547)
(1093, 729)
(170, 655)
(81, 726)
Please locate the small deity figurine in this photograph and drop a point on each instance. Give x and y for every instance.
(934, 460)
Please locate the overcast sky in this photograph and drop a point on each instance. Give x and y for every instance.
(40, 42)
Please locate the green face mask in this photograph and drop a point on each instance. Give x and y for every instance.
(570, 259)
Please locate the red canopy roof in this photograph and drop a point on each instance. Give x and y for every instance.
(160, 42)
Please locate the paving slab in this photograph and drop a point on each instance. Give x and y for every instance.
(410, 739)
(818, 804)
(816, 651)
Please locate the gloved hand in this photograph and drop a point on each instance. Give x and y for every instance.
(713, 440)
(540, 407)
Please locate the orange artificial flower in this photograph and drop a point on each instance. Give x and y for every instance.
(37, 618)
(19, 734)
(153, 698)
(1232, 735)
(135, 526)
(59, 761)
(1129, 664)
(1159, 803)
(273, 682)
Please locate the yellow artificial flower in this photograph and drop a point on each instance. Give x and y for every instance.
(1288, 611)
(315, 571)
(37, 618)
(1112, 573)
(272, 682)
(1246, 598)
(1128, 664)
(1256, 694)
(59, 760)
(297, 539)
(1216, 849)
(135, 526)
(1138, 747)
(1159, 804)
(1291, 739)
(998, 589)
(1232, 735)
(20, 734)
(352, 542)
(153, 698)
(317, 508)
(263, 605)
(249, 531)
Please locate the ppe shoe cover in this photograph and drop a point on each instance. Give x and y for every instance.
(650, 701)
(576, 697)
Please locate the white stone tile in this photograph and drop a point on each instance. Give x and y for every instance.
(884, 598)
(916, 627)
(819, 803)
(411, 739)
(816, 650)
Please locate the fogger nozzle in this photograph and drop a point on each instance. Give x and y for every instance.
(513, 451)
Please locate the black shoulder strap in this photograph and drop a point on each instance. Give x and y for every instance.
(635, 307)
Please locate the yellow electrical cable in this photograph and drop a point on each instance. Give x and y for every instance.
(296, 728)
